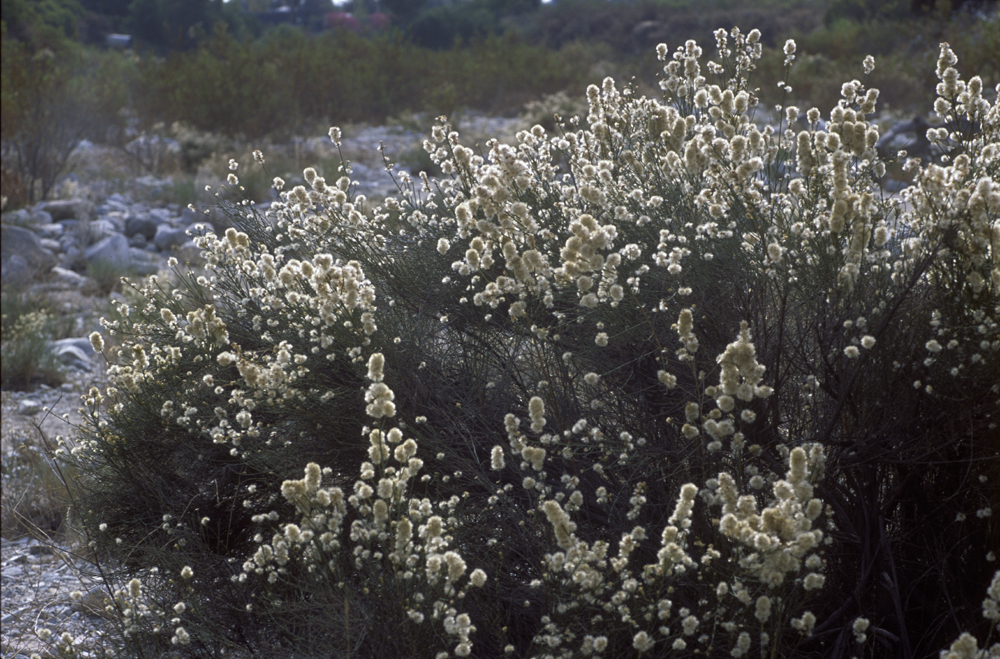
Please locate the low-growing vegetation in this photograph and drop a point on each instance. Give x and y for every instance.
(27, 329)
(216, 74)
(666, 380)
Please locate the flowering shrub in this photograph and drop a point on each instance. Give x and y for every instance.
(672, 380)
(27, 329)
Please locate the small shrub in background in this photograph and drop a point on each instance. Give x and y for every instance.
(285, 81)
(663, 382)
(905, 75)
(551, 110)
(107, 276)
(52, 98)
(27, 329)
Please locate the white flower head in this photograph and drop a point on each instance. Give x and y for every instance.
(477, 578)
(860, 626)
(496, 458)
(375, 364)
(180, 637)
(536, 408)
(643, 642)
(763, 608)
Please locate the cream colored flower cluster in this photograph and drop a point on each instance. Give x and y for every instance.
(702, 144)
(407, 537)
(134, 610)
(781, 537)
(312, 296)
(772, 560)
(956, 205)
(772, 553)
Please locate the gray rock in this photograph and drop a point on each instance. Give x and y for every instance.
(114, 203)
(117, 219)
(32, 258)
(52, 245)
(28, 407)
(66, 209)
(40, 216)
(75, 353)
(73, 257)
(144, 225)
(81, 343)
(189, 254)
(41, 550)
(161, 215)
(66, 241)
(21, 217)
(54, 230)
(138, 240)
(143, 262)
(113, 250)
(16, 271)
(190, 216)
(100, 229)
(168, 237)
(68, 278)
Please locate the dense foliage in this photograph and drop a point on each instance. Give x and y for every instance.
(209, 66)
(674, 379)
